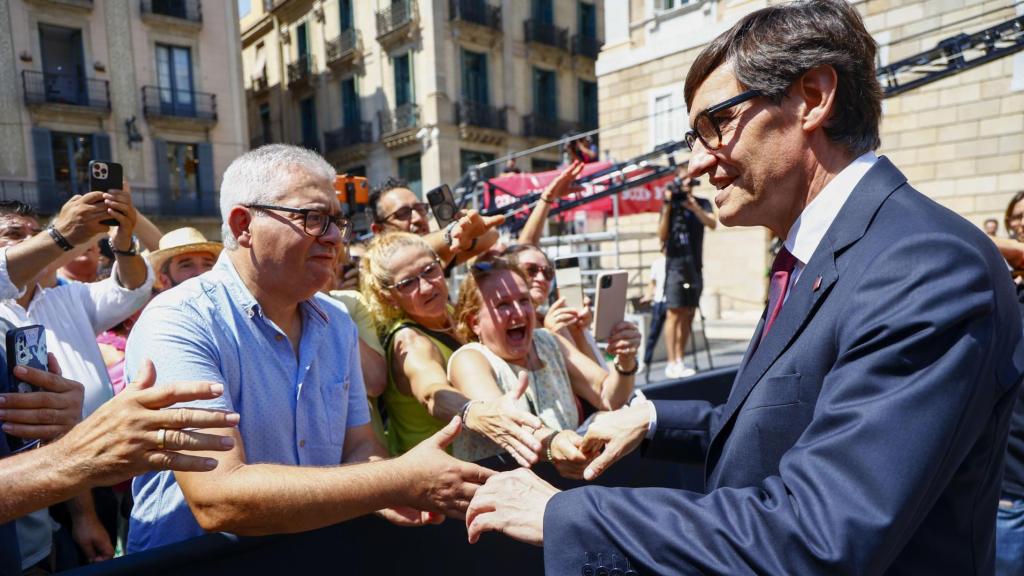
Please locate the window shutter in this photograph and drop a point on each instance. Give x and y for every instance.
(207, 190)
(42, 149)
(101, 147)
(163, 183)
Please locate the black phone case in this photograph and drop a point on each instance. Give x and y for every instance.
(442, 204)
(103, 177)
(26, 346)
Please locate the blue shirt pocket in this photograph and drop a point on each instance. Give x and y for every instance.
(335, 409)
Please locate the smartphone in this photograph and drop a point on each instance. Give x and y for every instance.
(442, 204)
(569, 281)
(105, 176)
(610, 308)
(26, 346)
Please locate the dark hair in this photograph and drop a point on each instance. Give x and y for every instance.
(17, 208)
(388, 185)
(774, 46)
(1009, 209)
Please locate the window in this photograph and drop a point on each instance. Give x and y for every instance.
(545, 103)
(409, 170)
(474, 78)
(468, 158)
(345, 8)
(403, 79)
(260, 63)
(588, 104)
(302, 40)
(350, 110)
(266, 128)
(63, 68)
(244, 7)
(666, 112)
(307, 119)
(174, 76)
(588, 20)
(543, 11)
(71, 155)
(183, 171)
(662, 119)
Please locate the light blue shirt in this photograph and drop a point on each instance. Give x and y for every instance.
(292, 412)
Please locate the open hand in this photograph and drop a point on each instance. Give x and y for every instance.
(470, 226)
(513, 504)
(508, 426)
(559, 187)
(612, 435)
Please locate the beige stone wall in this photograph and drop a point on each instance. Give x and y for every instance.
(959, 140)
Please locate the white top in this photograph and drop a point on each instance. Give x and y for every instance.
(658, 276)
(74, 314)
(817, 217)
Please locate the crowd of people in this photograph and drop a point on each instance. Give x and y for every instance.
(289, 378)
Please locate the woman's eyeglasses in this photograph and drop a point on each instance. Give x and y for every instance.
(531, 271)
(407, 286)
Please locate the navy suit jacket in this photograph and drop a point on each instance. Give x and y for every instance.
(864, 435)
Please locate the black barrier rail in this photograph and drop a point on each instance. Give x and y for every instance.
(370, 545)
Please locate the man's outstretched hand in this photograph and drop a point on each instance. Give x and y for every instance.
(513, 504)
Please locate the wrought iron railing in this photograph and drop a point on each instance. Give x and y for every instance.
(404, 117)
(301, 69)
(47, 197)
(347, 136)
(480, 114)
(62, 88)
(158, 102)
(191, 10)
(547, 34)
(588, 46)
(477, 12)
(398, 14)
(541, 127)
(343, 45)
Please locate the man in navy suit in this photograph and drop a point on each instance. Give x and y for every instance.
(866, 428)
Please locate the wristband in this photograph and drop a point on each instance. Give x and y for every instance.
(465, 410)
(547, 442)
(636, 368)
(545, 200)
(59, 238)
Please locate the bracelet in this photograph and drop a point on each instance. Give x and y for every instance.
(545, 200)
(448, 232)
(465, 410)
(636, 368)
(547, 442)
(59, 238)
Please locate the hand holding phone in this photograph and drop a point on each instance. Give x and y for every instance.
(26, 346)
(104, 177)
(442, 204)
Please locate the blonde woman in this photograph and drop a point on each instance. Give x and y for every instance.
(404, 283)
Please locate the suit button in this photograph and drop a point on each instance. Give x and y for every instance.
(602, 571)
(615, 572)
(588, 570)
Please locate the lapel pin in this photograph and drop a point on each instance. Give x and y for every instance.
(817, 284)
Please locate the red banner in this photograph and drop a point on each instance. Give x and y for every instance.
(507, 188)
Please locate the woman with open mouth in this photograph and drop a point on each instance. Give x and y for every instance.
(506, 352)
(403, 280)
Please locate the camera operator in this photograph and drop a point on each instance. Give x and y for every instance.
(681, 231)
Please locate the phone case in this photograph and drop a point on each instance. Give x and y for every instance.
(103, 177)
(442, 204)
(611, 303)
(26, 346)
(569, 281)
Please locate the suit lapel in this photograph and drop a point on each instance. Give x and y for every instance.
(805, 298)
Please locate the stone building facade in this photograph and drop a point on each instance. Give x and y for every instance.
(420, 89)
(155, 85)
(959, 140)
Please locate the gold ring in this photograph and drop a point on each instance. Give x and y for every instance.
(161, 435)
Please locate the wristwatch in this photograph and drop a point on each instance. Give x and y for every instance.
(133, 251)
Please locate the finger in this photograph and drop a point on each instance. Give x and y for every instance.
(88, 198)
(193, 441)
(117, 215)
(445, 436)
(52, 365)
(530, 421)
(601, 463)
(484, 522)
(474, 474)
(179, 418)
(164, 396)
(35, 432)
(61, 416)
(401, 516)
(592, 443)
(167, 460)
(146, 377)
(522, 453)
(492, 221)
(53, 383)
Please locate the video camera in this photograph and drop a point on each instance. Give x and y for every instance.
(680, 196)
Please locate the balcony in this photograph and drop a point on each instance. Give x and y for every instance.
(185, 15)
(179, 108)
(260, 83)
(397, 22)
(48, 196)
(345, 49)
(535, 126)
(587, 46)
(477, 12)
(68, 92)
(398, 126)
(479, 122)
(300, 71)
(361, 133)
(546, 34)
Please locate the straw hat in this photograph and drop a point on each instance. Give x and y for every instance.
(182, 241)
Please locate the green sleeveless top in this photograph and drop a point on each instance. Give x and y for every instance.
(409, 423)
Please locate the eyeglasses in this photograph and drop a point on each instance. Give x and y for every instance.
(531, 271)
(314, 222)
(705, 125)
(407, 286)
(405, 212)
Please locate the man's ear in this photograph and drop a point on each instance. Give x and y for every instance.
(817, 92)
(240, 219)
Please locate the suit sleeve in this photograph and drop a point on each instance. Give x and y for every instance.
(912, 390)
(683, 430)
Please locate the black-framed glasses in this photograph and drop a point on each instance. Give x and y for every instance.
(315, 222)
(405, 212)
(531, 271)
(430, 272)
(705, 125)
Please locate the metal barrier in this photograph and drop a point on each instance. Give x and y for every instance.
(370, 545)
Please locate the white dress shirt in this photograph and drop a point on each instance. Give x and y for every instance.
(74, 314)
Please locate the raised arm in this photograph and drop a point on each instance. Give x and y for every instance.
(556, 189)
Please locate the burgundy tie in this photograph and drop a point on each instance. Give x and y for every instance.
(782, 269)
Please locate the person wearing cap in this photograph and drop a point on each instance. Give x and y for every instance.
(184, 253)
